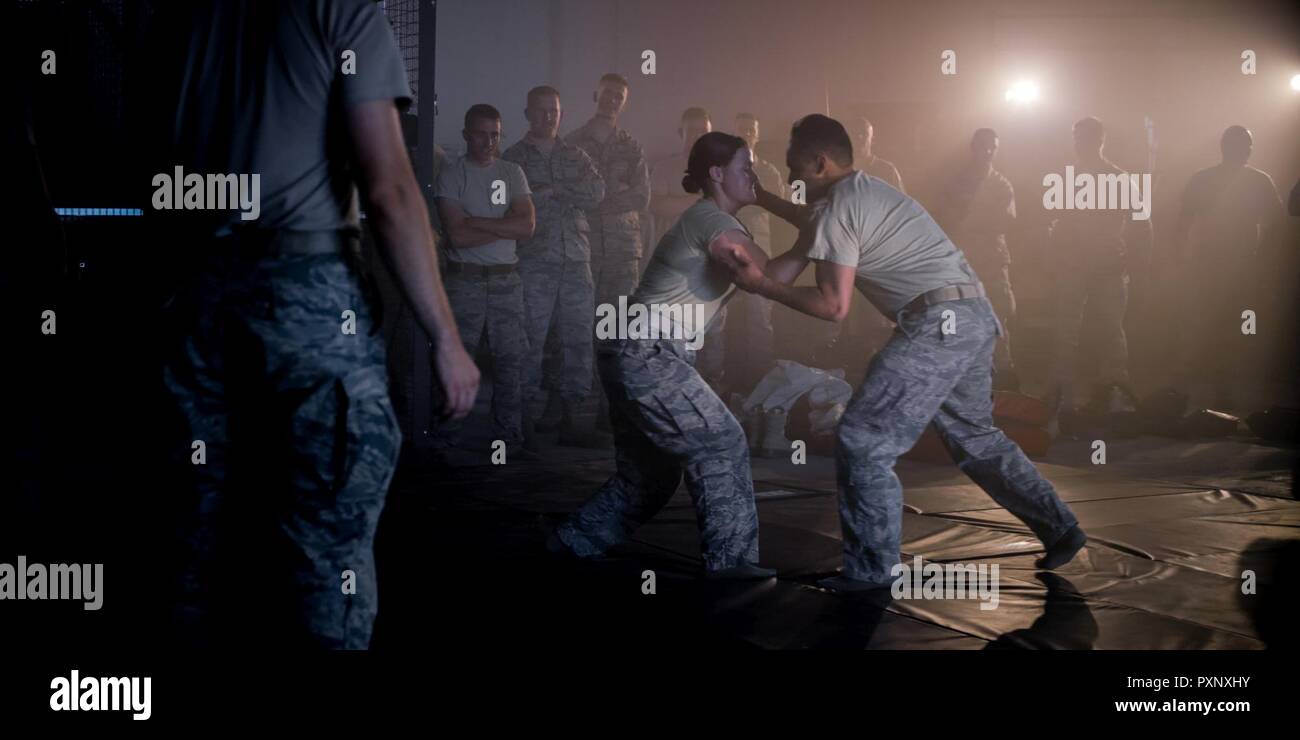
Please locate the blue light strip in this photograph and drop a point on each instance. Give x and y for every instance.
(83, 212)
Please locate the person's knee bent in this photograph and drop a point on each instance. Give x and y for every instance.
(865, 443)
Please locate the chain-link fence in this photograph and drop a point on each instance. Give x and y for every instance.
(404, 17)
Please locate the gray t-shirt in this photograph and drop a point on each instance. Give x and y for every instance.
(682, 274)
(885, 170)
(898, 250)
(472, 186)
(261, 88)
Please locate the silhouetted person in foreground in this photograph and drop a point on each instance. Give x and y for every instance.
(272, 363)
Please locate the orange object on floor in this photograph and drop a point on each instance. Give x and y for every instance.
(1018, 407)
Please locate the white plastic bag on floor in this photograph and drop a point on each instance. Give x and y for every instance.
(824, 419)
(788, 381)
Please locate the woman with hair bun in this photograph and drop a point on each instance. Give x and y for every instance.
(667, 422)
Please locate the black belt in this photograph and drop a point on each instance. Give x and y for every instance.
(466, 268)
(946, 293)
(280, 242)
(255, 243)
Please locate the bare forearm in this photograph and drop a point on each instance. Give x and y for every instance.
(786, 268)
(468, 237)
(506, 227)
(810, 300)
(783, 209)
(401, 227)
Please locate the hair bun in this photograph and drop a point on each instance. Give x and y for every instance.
(689, 184)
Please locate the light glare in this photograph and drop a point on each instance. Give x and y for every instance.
(1022, 92)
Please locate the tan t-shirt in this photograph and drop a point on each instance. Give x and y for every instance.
(681, 274)
(473, 186)
(899, 252)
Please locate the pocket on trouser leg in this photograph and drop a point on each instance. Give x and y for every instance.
(346, 442)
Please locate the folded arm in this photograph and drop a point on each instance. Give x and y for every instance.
(518, 223)
(634, 197)
(457, 224)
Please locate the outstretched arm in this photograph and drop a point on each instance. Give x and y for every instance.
(786, 268)
(829, 299)
(780, 207)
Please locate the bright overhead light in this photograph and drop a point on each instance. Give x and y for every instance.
(1024, 91)
(1295, 82)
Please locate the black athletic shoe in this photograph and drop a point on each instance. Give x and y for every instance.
(742, 572)
(844, 584)
(1064, 549)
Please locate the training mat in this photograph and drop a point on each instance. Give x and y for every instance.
(1163, 568)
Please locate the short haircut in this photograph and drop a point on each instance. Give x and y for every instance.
(696, 113)
(817, 134)
(1092, 126)
(746, 117)
(1235, 132)
(481, 110)
(615, 78)
(983, 133)
(1234, 137)
(542, 91)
